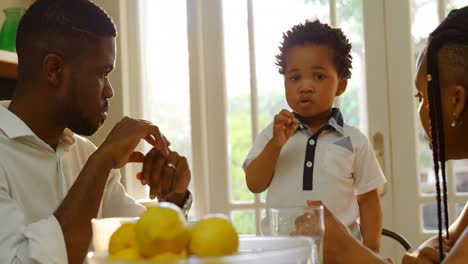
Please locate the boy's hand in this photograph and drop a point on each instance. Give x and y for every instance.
(284, 126)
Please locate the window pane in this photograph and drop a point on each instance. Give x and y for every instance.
(272, 18)
(352, 103)
(451, 4)
(427, 183)
(461, 176)
(236, 48)
(429, 217)
(458, 209)
(166, 72)
(424, 12)
(244, 222)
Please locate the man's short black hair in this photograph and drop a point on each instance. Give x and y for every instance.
(63, 27)
(315, 32)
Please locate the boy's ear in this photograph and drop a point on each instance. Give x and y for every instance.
(342, 83)
(53, 66)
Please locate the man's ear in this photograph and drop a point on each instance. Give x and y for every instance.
(342, 83)
(53, 67)
(459, 100)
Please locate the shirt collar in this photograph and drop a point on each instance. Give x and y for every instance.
(14, 127)
(335, 122)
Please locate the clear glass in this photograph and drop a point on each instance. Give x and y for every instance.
(429, 216)
(458, 209)
(103, 228)
(271, 19)
(236, 52)
(461, 176)
(353, 102)
(300, 221)
(166, 72)
(451, 4)
(244, 221)
(424, 12)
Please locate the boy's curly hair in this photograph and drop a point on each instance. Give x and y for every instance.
(315, 32)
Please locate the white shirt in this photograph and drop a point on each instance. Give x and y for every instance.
(333, 165)
(34, 180)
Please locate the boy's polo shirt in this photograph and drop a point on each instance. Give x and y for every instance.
(34, 179)
(333, 165)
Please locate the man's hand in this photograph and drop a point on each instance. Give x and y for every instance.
(119, 147)
(284, 126)
(168, 177)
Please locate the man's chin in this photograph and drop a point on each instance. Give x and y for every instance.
(86, 131)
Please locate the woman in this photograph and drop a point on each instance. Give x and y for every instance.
(442, 90)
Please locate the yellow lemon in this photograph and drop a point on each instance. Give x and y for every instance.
(122, 238)
(126, 254)
(162, 229)
(213, 236)
(169, 257)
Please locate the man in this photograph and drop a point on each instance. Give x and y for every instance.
(52, 181)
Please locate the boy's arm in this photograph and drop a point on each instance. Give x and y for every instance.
(370, 219)
(260, 171)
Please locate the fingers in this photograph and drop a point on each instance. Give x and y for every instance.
(175, 179)
(284, 117)
(136, 156)
(182, 176)
(156, 139)
(314, 203)
(156, 175)
(168, 176)
(429, 255)
(168, 143)
(164, 175)
(148, 166)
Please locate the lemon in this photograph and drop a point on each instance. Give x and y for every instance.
(162, 229)
(126, 254)
(169, 257)
(213, 236)
(122, 238)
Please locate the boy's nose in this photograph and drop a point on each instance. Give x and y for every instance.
(306, 86)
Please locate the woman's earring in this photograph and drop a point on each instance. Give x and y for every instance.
(455, 121)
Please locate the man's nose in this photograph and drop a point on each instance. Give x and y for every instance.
(108, 91)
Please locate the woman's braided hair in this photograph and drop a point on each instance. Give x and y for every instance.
(452, 30)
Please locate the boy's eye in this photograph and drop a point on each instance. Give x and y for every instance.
(294, 77)
(319, 76)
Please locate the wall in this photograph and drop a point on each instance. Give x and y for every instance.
(12, 3)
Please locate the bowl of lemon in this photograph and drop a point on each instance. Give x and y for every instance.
(163, 235)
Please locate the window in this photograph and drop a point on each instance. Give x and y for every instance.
(179, 46)
(424, 12)
(252, 33)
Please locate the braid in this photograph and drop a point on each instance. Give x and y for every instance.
(454, 29)
(435, 128)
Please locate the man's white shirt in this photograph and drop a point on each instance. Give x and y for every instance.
(34, 180)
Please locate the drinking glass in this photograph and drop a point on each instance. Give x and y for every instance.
(300, 221)
(103, 228)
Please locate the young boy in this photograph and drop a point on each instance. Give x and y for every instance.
(310, 153)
